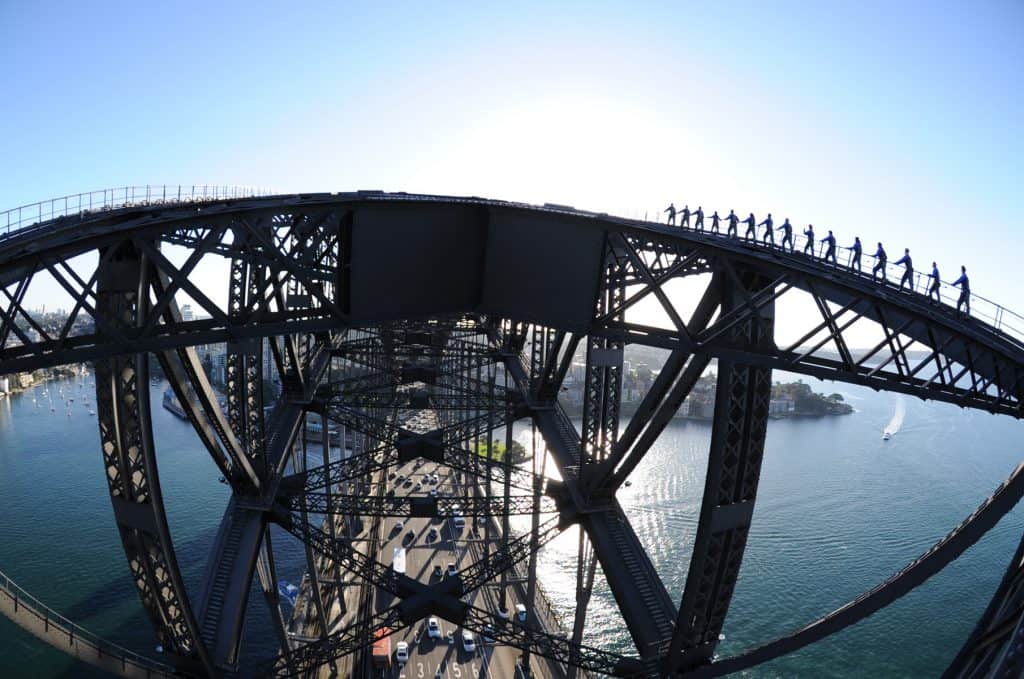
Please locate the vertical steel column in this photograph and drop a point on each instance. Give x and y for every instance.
(490, 465)
(994, 648)
(300, 464)
(603, 386)
(266, 570)
(734, 467)
(244, 359)
(586, 568)
(531, 569)
(506, 492)
(129, 457)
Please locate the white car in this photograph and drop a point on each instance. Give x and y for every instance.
(402, 652)
(468, 642)
(452, 570)
(520, 613)
(433, 628)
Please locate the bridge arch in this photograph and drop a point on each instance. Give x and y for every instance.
(307, 276)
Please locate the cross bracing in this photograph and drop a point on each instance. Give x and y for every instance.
(424, 328)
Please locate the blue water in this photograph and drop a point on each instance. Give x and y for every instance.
(58, 540)
(838, 511)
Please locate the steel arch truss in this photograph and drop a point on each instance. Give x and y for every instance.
(436, 377)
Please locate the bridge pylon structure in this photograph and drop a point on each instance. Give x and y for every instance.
(424, 328)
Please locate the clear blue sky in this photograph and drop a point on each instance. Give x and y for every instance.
(899, 121)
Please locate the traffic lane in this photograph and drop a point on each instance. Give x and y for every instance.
(441, 658)
(432, 657)
(437, 657)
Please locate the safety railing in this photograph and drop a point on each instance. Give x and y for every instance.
(124, 196)
(982, 309)
(23, 602)
(985, 310)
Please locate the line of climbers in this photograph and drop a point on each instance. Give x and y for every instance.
(828, 244)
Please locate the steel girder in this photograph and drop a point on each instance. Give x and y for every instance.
(734, 469)
(304, 246)
(966, 362)
(317, 503)
(937, 557)
(126, 436)
(639, 592)
(236, 553)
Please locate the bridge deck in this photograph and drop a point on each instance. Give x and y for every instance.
(450, 546)
(52, 628)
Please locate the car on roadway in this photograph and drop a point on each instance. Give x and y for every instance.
(407, 484)
(433, 492)
(398, 526)
(432, 534)
(438, 571)
(410, 536)
(433, 628)
(488, 634)
(520, 613)
(419, 487)
(468, 642)
(402, 652)
(452, 570)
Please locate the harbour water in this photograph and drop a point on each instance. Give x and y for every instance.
(838, 511)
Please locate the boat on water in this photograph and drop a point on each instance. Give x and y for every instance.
(886, 436)
(172, 404)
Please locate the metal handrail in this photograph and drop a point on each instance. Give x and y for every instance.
(995, 315)
(120, 197)
(75, 632)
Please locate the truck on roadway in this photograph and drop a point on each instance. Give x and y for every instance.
(382, 647)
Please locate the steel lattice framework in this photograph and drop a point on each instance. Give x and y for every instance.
(421, 325)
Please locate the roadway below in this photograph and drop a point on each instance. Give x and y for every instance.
(428, 543)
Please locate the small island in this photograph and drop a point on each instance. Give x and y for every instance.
(790, 399)
(797, 399)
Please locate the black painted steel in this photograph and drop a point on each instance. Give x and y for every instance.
(423, 326)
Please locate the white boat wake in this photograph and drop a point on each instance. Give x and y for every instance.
(896, 423)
